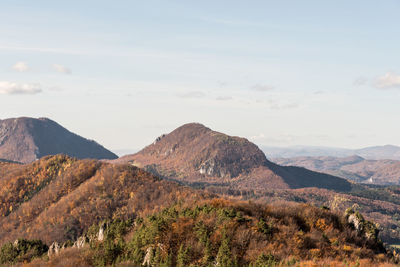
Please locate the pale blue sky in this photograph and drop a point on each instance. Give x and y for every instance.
(277, 72)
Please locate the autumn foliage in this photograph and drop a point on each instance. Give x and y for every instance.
(59, 199)
(68, 195)
(225, 233)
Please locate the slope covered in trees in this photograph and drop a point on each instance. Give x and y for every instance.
(58, 197)
(224, 233)
(197, 156)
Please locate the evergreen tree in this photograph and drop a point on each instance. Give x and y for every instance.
(224, 256)
(183, 257)
(156, 260)
(207, 258)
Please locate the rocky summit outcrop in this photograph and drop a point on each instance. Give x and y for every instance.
(27, 139)
(196, 154)
(362, 226)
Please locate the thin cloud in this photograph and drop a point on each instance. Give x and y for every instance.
(55, 88)
(262, 87)
(224, 98)
(257, 137)
(20, 66)
(389, 80)
(278, 105)
(222, 84)
(228, 22)
(360, 81)
(193, 94)
(12, 88)
(61, 69)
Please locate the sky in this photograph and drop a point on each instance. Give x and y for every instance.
(280, 73)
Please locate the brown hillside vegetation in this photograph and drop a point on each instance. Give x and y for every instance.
(58, 197)
(27, 139)
(194, 154)
(183, 153)
(379, 205)
(226, 233)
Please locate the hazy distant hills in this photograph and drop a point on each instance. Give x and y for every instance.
(376, 152)
(356, 168)
(27, 139)
(380, 152)
(194, 153)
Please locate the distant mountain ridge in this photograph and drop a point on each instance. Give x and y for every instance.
(194, 153)
(27, 139)
(356, 168)
(373, 153)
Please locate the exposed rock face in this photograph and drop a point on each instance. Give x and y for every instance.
(194, 153)
(54, 249)
(27, 139)
(356, 222)
(100, 234)
(362, 226)
(80, 242)
(150, 253)
(148, 257)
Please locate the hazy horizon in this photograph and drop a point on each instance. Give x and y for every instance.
(122, 73)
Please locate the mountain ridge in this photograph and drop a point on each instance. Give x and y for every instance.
(372, 153)
(68, 195)
(27, 139)
(356, 168)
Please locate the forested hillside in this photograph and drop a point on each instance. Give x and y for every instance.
(58, 197)
(102, 214)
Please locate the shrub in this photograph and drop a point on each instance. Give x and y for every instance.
(265, 260)
(22, 250)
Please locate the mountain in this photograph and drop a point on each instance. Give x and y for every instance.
(57, 197)
(356, 168)
(28, 139)
(380, 152)
(61, 211)
(305, 151)
(199, 157)
(194, 154)
(373, 153)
